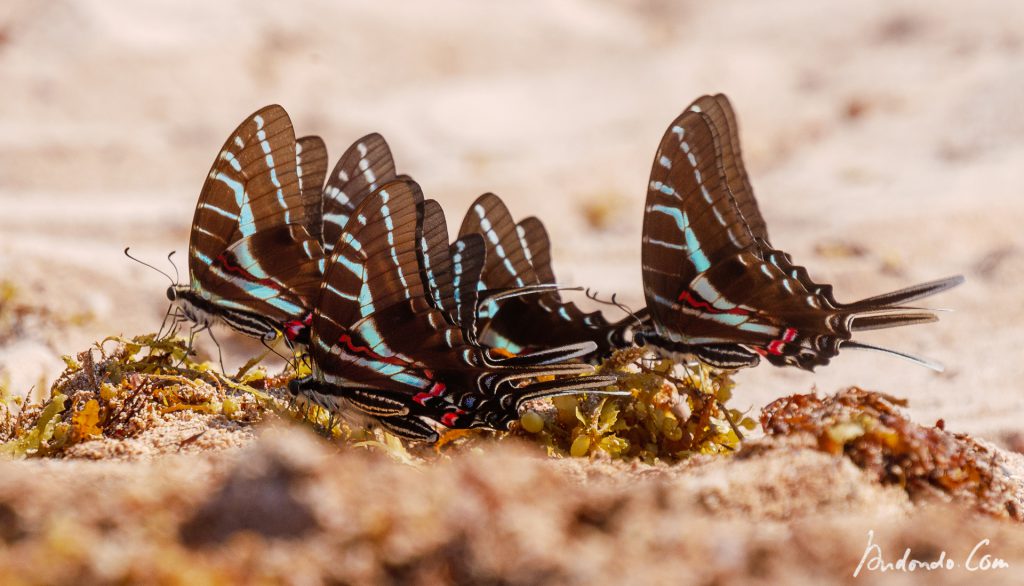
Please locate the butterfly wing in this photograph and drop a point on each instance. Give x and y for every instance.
(435, 257)
(704, 278)
(574, 323)
(451, 272)
(311, 167)
(518, 256)
(379, 340)
(533, 237)
(506, 265)
(251, 205)
(373, 308)
(364, 167)
(719, 114)
(468, 254)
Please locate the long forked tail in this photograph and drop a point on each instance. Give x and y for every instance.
(908, 294)
(930, 364)
(598, 384)
(887, 311)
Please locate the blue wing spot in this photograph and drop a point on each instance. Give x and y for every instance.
(695, 254)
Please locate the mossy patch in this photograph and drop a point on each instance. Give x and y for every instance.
(121, 387)
(672, 412)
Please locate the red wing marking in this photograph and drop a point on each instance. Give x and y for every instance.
(452, 413)
(231, 267)
(687, 297)
(293, 328)
(775, 347)
(346, 340)
(435, 391)
(451, 418)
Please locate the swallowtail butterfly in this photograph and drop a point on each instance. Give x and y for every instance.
(715, 287)
(252, 261)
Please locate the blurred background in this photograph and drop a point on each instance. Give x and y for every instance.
(885, 142)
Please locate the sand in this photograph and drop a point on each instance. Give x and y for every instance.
(884, 142)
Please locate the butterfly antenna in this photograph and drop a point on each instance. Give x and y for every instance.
(177, 276)
(279, 355)
(593, 295)
(128, 254)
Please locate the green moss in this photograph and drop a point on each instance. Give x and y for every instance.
(120, 386)
(36, 438)
(669, 415)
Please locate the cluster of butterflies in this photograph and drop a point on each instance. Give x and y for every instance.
(401, 326)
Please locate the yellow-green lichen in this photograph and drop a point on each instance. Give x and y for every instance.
(672, 412)
(118, 388)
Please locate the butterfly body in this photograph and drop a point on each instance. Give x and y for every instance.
(205, 314)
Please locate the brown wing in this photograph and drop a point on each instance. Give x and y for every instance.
(372, 310)
(311, 167)
(250, 200)
(719, 114)
(364, 167)
(691, 220)
(506, 265)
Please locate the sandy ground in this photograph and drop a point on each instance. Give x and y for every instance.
(885, 141)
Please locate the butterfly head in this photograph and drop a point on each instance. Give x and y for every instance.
(183, 300)
(637, 337)
(172, 293)
(297, 385)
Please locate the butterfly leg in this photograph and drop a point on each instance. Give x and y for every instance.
(220, 355)
(174, 320)
(175, 325)
(163, 324)
(197, 328)
(270, 348)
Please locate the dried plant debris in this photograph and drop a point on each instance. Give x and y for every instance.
(673, 412)
(122, 387)
(928, 462)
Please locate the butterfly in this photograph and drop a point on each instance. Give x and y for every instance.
(253, 263)
(715, 287)
(388, 326)
(518, 257)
